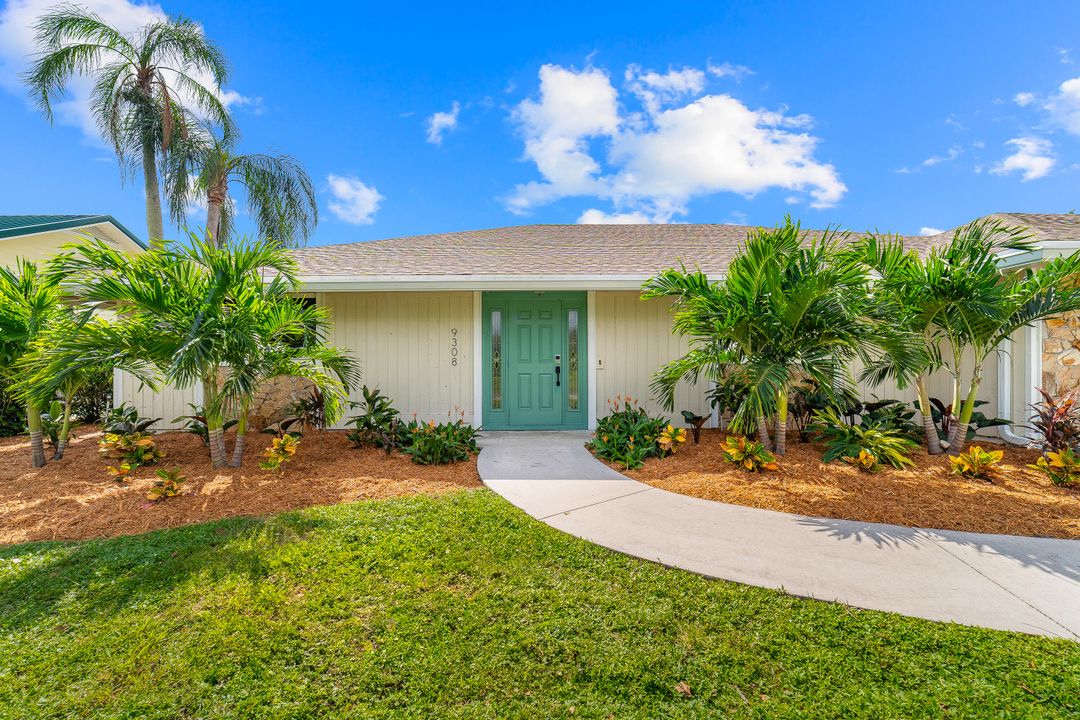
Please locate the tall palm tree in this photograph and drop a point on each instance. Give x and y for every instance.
(140, 80)
(279, 192)
(785, 312)
(28, 301)
(183, 314)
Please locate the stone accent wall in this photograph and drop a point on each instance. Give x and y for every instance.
(1061, 354)
(271, 398)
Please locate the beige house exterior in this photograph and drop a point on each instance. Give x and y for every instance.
(435, 322)
(40, 237)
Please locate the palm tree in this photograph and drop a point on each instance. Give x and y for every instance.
(186, 314)
(279, 191)
(784, 313)
(28, 301)
(139, 80)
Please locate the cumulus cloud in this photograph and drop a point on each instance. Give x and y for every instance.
(441, 123)
(17, 48)
(593, 216)
(925, 230)
(353, 201)
(1023, 99)
(1032, 158)
(1064, 106)
(651, 166)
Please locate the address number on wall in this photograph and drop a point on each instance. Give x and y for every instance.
(453, 347)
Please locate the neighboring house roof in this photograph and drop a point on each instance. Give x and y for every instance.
(20, 225)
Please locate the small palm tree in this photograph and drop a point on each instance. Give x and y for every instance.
(784, 313)
(186, 314)
(139, 80)
(279, 191)
(28, 302)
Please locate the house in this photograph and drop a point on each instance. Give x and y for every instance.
(538, 326)
(39, 237)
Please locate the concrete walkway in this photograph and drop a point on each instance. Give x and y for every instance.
(1029, 585)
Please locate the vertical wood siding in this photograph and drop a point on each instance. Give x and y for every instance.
(633, 339)
(168, 404)
(403, 343)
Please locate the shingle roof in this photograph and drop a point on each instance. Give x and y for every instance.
(582, 249)
(535, 250)
(16, 225)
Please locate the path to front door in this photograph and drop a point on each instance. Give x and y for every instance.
(534, 361)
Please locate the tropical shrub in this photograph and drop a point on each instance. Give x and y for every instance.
(310, 411)
(377, 423)
(976, 462)
(750, 455)
(94, 400)
(670, 440)
(196, 423)
(806, 400)
(12, 414)
(440, 444)
(125, 420)
(281, 451)
(891, 415)
(842, 440)
(1062, 467)
(133, 449)
(864, 461)
(52, 423)
(1057, 420)
(627, 435)
(945, 420)
(167, 485)
(695, 423)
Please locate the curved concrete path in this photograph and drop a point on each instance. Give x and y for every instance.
(1030, 585)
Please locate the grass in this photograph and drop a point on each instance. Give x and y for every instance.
(462, 607)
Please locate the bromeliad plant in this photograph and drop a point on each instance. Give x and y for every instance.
(627, 435)
(1062, 467)
(841, 440)
(976, 463)
(748, 454)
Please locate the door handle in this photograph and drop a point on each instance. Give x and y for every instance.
(558, 371)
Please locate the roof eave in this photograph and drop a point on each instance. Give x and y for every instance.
(343, 283)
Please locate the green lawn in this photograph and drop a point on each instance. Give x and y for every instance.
(462, 606)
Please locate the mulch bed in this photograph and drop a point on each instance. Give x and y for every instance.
(1020, 501)
(74, 499)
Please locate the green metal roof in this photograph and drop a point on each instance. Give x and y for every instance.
(16, 225)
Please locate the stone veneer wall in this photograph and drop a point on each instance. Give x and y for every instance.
(1061, 354)
(272, 397)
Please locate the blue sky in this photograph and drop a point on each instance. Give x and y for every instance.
(889, 118)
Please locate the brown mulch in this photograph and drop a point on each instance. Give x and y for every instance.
(1019, 501)
(74, 499)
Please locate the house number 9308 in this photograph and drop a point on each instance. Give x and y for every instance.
(453, 347)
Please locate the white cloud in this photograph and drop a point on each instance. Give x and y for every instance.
(17, 47)
(353, 201)
(1023, 99)
(924, 231)
(655, 164)
(736, 72)
(1064, 106)
(656, 90)
(441, 123)
(599, 217)
(1032, 158)
(954, 152)
(1064, 56)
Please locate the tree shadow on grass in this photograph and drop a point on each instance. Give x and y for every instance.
(109, 576)
(1052, 555)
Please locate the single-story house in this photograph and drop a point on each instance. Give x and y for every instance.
(538, 326)
(39, 237)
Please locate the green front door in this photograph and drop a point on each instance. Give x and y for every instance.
(534, 361)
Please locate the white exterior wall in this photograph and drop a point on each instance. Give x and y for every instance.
(168, 404)
(405, 343)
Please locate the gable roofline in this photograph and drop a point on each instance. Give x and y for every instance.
(27, 225)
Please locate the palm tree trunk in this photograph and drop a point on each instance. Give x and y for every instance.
(781, 422)
(933, 442)
(215, 434)
(217, 445)
(957, 446)
(763, 432)
(65, 431)
(241, 434)
(215, 200)
(37, 441)
(155, 226)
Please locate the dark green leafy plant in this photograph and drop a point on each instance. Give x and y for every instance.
(892, 415)
(377, 423)
(282, 428)
(627, 436)
(695, 423)
(440, 444)
(944, 419)
(12, 414)
(842, 440)
(196, 423)
(52, 422)
(125, 420)
(94, 399)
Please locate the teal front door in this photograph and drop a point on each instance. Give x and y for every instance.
(534, 361)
